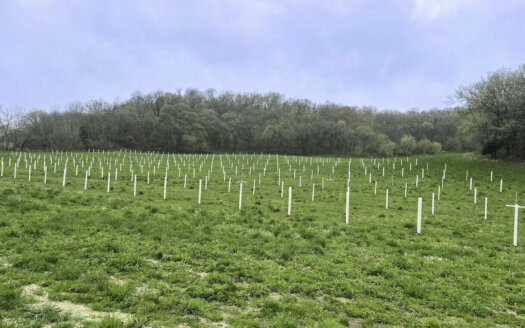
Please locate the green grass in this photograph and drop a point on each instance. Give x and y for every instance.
(173, 262)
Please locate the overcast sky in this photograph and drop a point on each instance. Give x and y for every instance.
(388, 54)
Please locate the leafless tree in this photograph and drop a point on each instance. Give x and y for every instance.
(10, 119)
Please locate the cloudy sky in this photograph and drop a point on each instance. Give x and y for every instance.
(389, 54)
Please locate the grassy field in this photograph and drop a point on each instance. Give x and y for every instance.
(71, 257)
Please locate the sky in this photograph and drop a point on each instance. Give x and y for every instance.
(390, 54)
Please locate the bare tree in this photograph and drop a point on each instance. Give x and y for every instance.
(6, 121)
(10, 119)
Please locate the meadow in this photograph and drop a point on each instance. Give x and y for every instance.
(75, 255)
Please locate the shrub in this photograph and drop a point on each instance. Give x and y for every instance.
(424, 146)
(436, 147)
(407, 145)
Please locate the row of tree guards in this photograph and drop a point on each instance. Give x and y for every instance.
(151, 163)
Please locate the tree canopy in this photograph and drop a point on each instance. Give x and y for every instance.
(493, 113)
(490, 119)
(195, 121)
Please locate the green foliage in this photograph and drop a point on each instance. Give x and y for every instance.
(64, 325)
(110, 322)
(10, 298)
(195, 121)
(493, 115)
(45, 313)
(191, 306)
(385, 147)
(407, 145)
(452, 145)
(436, 148)
(118, 293)
(68, 270)
(424, 146)
(148, 262)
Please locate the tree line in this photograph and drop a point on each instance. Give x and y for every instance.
(489, 119)
(194, 121)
